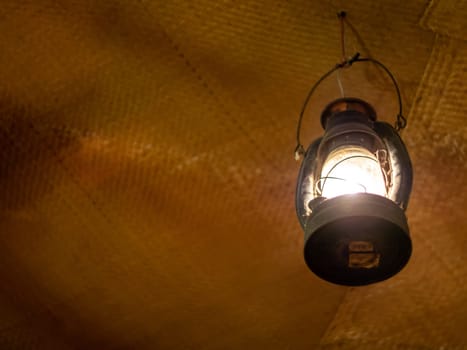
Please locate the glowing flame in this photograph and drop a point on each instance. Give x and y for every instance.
(351, 170)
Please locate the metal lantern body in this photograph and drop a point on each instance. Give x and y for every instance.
(353, 188)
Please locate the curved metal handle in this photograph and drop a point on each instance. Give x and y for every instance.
(401, 121)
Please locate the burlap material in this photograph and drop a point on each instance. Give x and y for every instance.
(148, 180)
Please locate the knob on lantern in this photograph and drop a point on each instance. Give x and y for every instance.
(352, 192)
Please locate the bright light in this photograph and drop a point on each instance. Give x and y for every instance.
(351, 170)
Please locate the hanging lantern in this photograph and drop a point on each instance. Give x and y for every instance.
(353, 188)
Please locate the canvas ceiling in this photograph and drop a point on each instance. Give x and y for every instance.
(148, 180)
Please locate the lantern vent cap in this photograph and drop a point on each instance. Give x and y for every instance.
(347, 104)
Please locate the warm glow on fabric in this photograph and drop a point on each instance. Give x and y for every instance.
(351, 170)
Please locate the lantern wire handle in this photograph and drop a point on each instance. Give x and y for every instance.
(401, 121)
(300, 150)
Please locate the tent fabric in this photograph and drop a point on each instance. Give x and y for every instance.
(148, 177)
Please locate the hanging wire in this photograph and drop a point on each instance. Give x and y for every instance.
(401, 121)
(339, 82)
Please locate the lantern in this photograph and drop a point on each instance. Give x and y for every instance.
(353, 188)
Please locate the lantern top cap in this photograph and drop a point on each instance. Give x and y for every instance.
(347, 104)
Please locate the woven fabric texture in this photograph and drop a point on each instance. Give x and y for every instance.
(147, 173)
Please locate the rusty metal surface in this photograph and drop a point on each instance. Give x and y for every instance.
(147, 173)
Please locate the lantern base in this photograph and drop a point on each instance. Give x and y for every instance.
(357, 239)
